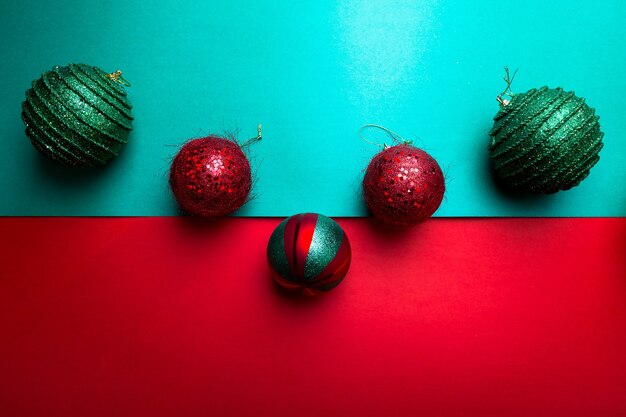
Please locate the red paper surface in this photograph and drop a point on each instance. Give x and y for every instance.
(176, 317)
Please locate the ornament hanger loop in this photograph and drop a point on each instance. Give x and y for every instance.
(117, 77)
(396, 138)
(259, 136)
(508, 79)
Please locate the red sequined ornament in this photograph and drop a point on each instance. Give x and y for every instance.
(403, 185)
(210, 177)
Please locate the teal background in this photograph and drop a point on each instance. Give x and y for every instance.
(312, 73)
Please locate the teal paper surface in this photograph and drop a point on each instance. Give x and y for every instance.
(312, 72)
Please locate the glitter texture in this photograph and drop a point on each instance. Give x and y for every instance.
(210, 177)
(309, 253)
(77, 115)
(403, 186)
(545, 141)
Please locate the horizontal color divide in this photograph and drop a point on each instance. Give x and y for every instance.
(179, 317)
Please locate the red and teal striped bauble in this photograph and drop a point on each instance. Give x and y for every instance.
(309, 253)
(544, 141)
(78, 115)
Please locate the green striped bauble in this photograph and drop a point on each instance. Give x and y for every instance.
(78, 115)
(544, 141)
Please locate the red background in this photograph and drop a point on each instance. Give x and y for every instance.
(179, 317)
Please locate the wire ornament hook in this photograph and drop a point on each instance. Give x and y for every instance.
(396, 138)
(508, 79)
(117, 77)
(259, 136)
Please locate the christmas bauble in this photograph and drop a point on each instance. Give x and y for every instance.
(309, 253)
(403, 185)
(544, 141)
(210, 177)
(78, 115)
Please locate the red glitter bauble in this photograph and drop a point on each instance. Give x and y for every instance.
(403, 185)
(210, 177)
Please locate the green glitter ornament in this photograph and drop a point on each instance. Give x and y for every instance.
(78, 115)
(544, 140)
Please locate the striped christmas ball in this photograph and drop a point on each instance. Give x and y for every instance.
(544, 141)
(78, 115)
(309, 253)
